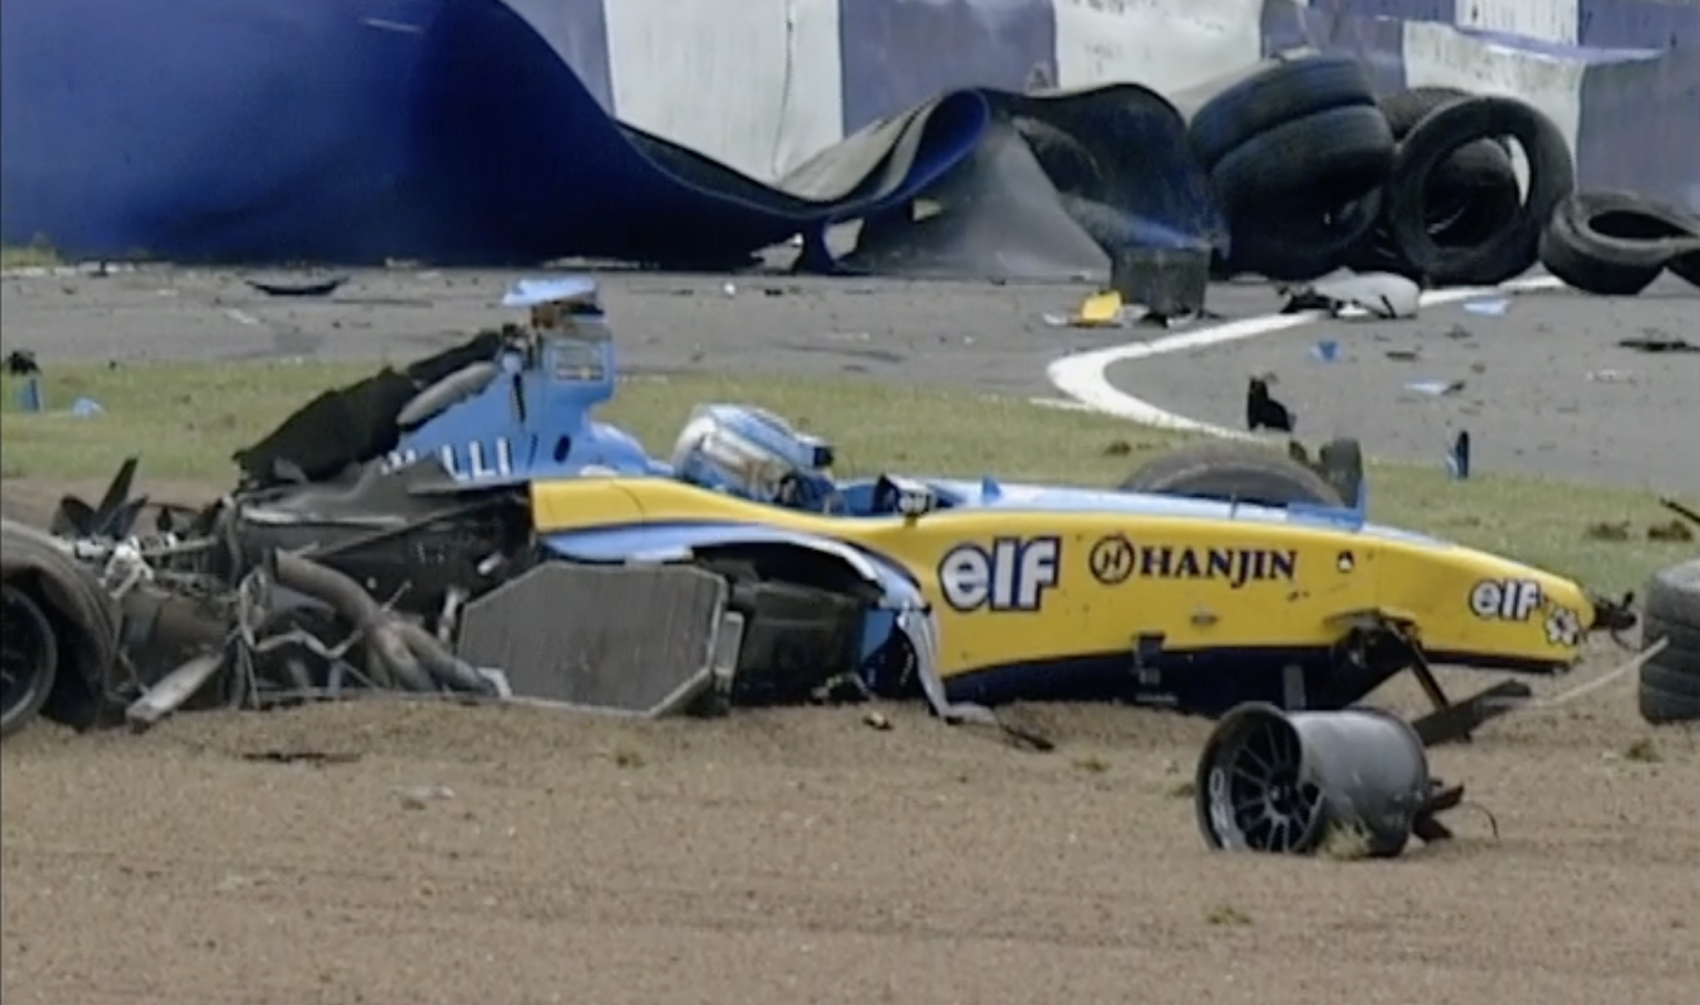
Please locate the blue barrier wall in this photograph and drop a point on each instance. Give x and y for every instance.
(515, 129)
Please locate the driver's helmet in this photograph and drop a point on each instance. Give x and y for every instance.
(745, 452)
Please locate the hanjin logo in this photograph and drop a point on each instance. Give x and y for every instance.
(1112, 560)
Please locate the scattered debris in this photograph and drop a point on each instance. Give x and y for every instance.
(1644, 751)
(1611, 377)
(417, 797)
(1607, 531)
(875, 719)
(626, 757)
(297, 287)
(30, 398)
(1404, 355)
(1344, 293)
(1092, 764)
(1692, 516)
(1227, 915)
(1262, 411)
(1497, 307)
(1673, 532)
(82, 408)
(1118, 448)
(1169, 283)
(22, 363)
(1655, 344)
(312, 758)
(1325, 350)
(1100, 310)
(1435, 388)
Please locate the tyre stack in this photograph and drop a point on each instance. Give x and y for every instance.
(1670, 680)
(1314, 172)
(1297, 155)
(1473, 192)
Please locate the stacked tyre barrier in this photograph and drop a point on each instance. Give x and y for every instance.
(1670, 679)
(1314, 172)
(1616, 244)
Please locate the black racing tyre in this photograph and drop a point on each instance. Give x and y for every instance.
(1673, 595)
(1275, 97)
(1482, 163)
(1607, 242)
(1236, 472)
(1687, 268)
(29, 658)
(1562, 251)
(1472, 194)
(795, 639)
(1301, 245)
(1682, 641)
(84, 618)
(1514, 248)
(1326, 159)
(1670, 680)
(1065, 160)
(1668, 695)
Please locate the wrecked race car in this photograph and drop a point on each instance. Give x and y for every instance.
(467, 526)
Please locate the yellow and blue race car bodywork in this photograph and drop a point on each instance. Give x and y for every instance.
(973, 591)
(1042, 592)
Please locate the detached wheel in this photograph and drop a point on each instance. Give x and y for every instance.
(29, 659)
(1233, 472)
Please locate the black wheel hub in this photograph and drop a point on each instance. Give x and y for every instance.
(1270, 803)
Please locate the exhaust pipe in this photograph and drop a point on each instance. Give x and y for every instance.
(1283, 783)
(403, 653)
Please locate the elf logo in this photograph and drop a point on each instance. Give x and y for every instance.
(1506, 599)
(1011, 575)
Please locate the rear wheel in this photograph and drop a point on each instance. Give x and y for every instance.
(1234, 472)
(29, 658)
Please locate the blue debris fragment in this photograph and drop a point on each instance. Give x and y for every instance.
(85, 407)
(1325, 351)
(29, 395)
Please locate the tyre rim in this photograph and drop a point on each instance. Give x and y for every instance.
(1266, 798)
(28, 653)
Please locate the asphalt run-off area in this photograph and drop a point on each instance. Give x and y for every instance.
(1546, 389)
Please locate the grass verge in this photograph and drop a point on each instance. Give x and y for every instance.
(28, 256)
(185, 419)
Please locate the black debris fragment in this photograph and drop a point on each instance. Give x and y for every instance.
(298, 288)
(1658, 345)
(1262, 411)
(22, 363)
